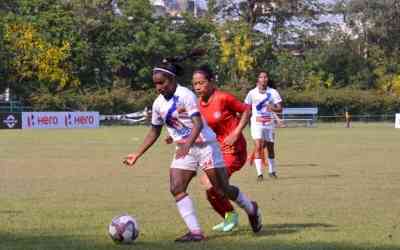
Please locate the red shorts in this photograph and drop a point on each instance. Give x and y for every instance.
(234, 162)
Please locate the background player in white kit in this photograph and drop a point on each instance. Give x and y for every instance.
(196, 148)
(265, 101)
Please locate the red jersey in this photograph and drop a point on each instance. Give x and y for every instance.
(221, 114)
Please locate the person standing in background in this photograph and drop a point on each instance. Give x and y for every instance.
(265, 101)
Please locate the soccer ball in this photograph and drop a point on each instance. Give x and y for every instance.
(123, 229)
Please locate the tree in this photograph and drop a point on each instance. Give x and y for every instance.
(236, 50)
(279, 18)
(36, 59)
(375, 23)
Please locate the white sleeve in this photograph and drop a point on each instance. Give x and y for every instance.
(191, 105)
(248, 100)
(156, 118)
(276, 98)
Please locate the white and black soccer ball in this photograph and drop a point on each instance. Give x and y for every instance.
(123, 229)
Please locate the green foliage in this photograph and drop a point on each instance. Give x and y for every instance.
(76, 46)
(235, 50)
(116, 100)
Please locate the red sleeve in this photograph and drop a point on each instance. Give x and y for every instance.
(233, 104)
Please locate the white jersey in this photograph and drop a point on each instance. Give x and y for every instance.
(259, 102)
(176, 114)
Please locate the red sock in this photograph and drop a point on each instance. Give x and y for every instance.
(219, 203)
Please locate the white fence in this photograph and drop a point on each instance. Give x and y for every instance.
(136, 118)
(306, 115)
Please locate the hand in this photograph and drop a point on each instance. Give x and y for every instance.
(131, 159)
(168, 140)
(231, 139)
(182, 151)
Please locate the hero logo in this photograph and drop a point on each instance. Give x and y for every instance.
(10, 121)
(47, 120)
(31, 121)
(68, 120)
(84, 120)
(72, 120)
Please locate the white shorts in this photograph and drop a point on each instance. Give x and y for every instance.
(263, 133)
(201, 157)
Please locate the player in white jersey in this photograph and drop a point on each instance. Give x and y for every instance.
(265, 102)
(196, 149)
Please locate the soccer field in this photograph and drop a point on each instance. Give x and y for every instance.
(338, 188)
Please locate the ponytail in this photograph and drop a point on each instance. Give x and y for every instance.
(170, 65)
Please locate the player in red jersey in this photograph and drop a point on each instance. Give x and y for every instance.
(226, 116)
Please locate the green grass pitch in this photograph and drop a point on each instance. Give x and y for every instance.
(338, 188)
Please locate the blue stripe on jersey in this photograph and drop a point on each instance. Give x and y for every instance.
(195, 114)
(171, 110)
(172, 122)
(260, 105)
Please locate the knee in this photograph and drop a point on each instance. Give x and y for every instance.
(213, 194)
(230, 191)
(205, 182)
(271, 151)
(176, 189)
(259, 148)
(271, 154)
(225, 188)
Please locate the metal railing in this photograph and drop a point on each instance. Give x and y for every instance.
(13, 106)
(358, 118)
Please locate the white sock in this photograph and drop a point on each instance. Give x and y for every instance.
(259, 166)
(271, 165)
(188, 214)
(244, 203)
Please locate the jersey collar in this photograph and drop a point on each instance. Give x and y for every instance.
(203, 103)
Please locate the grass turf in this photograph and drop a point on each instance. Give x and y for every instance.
(337, 189)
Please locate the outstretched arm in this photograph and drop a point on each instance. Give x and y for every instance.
(244, 119)
(149, 140)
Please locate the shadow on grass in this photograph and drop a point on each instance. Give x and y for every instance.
(322, 176)
(231, 242)
(299, 165)
(277, 229)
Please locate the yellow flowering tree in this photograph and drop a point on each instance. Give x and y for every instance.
(389, 84)
(36, 59)
(236, 50)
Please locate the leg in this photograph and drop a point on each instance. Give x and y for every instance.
(221, 204)
(270, 150)
(259, 143)
(179, 181)
(271, 153)
(218, 202)
(252, 156)
(259, 158)
(219, 179)
(257, 135)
